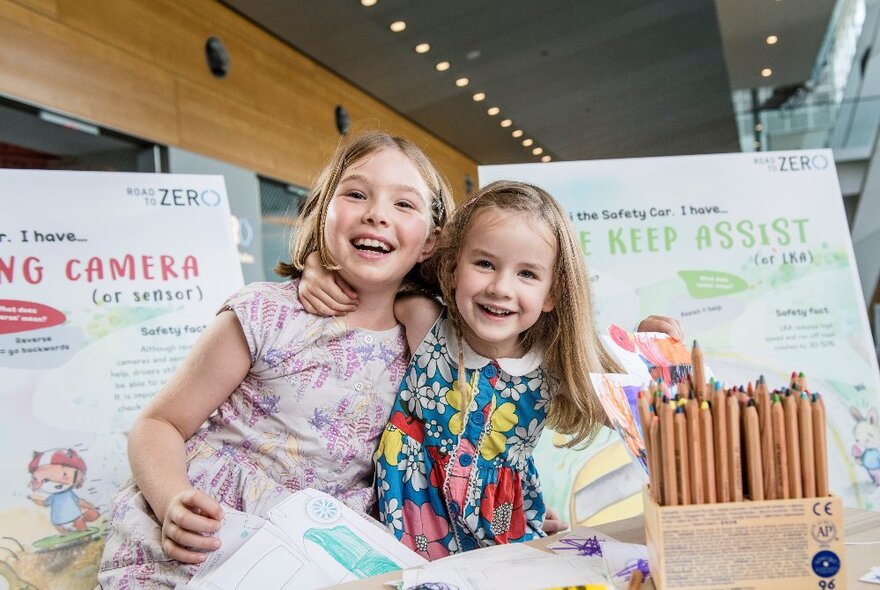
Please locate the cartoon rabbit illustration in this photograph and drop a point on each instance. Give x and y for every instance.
(866, 451)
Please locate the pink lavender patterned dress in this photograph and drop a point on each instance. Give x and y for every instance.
(308, 414)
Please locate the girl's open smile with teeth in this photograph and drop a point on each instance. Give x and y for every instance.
(371, 244)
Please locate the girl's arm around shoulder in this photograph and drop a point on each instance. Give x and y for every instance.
(417, 313)
(214, 367)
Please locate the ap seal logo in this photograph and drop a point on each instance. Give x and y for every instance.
(824, 531)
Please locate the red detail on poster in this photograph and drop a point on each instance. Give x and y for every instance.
(21, 316)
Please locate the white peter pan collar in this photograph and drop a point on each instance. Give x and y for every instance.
(515, 367)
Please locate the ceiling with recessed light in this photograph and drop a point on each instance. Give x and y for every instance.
(561, 79)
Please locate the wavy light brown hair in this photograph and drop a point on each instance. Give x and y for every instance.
(309, 235)
(567, 333)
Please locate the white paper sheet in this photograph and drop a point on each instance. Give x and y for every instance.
(506, 567)
(309, 540)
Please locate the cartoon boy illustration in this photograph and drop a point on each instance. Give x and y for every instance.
(54, 475)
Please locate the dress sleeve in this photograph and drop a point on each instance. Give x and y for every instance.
(262, 310)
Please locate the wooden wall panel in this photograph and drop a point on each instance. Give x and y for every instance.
(44, 62)
(273, 113)
(49, 7)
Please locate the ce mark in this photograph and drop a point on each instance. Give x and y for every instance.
(820, 507)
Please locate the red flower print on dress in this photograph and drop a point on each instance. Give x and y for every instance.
(438, 468)
(424, 531)
(502, 506)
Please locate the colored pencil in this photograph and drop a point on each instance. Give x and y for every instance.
(792, 440)
(753, 452)
(734, 448)
(805, 432)
(708, 439)
(820, 446)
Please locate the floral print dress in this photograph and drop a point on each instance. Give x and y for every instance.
(452, 478)
(308, 414)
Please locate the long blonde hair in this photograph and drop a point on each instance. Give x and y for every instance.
(309, 235)
(567, 333)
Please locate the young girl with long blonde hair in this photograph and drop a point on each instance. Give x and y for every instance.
(272, 399)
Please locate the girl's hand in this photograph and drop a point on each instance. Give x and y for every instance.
(190, 514)
(664, 324)
(553, 523)
(324, 292)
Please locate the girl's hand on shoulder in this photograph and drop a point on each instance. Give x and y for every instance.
(190, 514)
(664, 324)
(324, 292)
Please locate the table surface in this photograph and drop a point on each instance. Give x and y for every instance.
(860, 528)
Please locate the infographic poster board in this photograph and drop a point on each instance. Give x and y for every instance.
(106, 280)
(753, 254)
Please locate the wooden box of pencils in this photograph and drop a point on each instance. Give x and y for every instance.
(739, 495)
(763, 545)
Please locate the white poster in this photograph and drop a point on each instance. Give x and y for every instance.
(106, 279)
(753, 254)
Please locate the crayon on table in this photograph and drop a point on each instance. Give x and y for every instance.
(635, 581)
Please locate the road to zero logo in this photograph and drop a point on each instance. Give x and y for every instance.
(826, 564)
(176, 197)
(824, 531)
(212, 198)
(793, 163)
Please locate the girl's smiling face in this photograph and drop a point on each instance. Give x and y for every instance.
(378, 221)
(503, 280)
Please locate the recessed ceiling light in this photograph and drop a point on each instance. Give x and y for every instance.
(442, 66)
(772, 39)
(506, 123)
(527, 142)
(492, 111)
(472, 55)
(480, 96)
(517, 133)
(397, 26)
(462, 82)
(759, 127)
(423, 48)
(766, 72)
(538, 151)
(546, 159)
(368, 2)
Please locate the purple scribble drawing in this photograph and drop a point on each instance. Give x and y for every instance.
(640, 564)
(588, 547)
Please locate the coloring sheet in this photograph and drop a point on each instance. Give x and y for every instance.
(617, 560)
(310, 540)
(649, 355)
(506, 567)
(618, 394)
